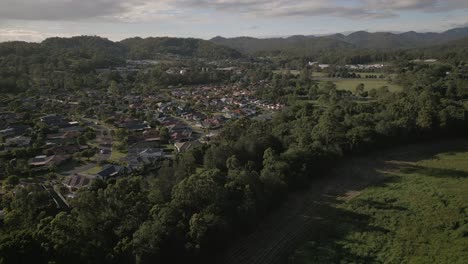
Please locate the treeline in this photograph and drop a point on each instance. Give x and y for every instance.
(454, 53)
(192, 207)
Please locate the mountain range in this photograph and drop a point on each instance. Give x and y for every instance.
(356, 40)
(232, 48)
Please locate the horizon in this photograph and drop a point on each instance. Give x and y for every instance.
(347, 33)
(34, 21)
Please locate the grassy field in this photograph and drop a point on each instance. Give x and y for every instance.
(418, 215)
(369, 84)
(93, 170)
(116, 155)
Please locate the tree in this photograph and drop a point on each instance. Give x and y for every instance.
(273, 175)
(359, 90)
(88, 153)
(206, 228)
(164, 134)
(114, 88)
(12, 180)
(198, 191)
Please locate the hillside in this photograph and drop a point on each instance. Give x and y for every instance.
(88, 44)
(294, 43)
(356, 40)
(139, 48)
(134, 48)
(462, 43)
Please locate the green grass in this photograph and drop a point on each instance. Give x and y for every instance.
(93, 170)
(369, 84)
(420, 215)
(69, 165)
(116, 155)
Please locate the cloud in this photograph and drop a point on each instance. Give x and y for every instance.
(64, 9)
(151, 10)
(15, 34)
(401, 4)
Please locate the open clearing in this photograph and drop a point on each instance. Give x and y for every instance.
(420, 215)
(369, 84)
(336, 213)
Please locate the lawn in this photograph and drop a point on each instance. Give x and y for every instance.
(369, 84)
(116, 155)
(419, 215)
(93, 170)
(69, 165)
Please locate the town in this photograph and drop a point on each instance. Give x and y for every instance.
(123, 135)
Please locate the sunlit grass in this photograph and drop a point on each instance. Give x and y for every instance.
(419, 216)
(369, 84)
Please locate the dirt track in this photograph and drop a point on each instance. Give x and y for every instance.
(303, 214)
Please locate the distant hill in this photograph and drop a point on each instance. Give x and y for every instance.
(296, 44)
(139, 48)
(83, 42)
(133, 48)
(356, 40)
(461, 43)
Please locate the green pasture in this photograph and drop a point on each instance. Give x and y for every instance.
(419, 214)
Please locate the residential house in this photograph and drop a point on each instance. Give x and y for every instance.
(134, 125)
(63, 137)
(63, 150)
(45, 161)
(14, 130)
(54, 120)
(186, 146)
(139, 157)
(77, 181)
(42, 160)
(19, 141)
(110, 171)
(7, 118)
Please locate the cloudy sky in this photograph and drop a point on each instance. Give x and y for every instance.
(34, 20)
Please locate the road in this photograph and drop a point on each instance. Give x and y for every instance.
(304, 214)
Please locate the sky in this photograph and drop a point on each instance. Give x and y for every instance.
(35, 20)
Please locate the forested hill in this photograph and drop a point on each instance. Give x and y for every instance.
(89, 47)
(139, 48)
(85, 44)
(294, 44)
(462, 43)
(356, 40)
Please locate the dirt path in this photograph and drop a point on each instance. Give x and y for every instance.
(303, 214)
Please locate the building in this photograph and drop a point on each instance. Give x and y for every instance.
(186, 146)
(110, 171)
(77, 181)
